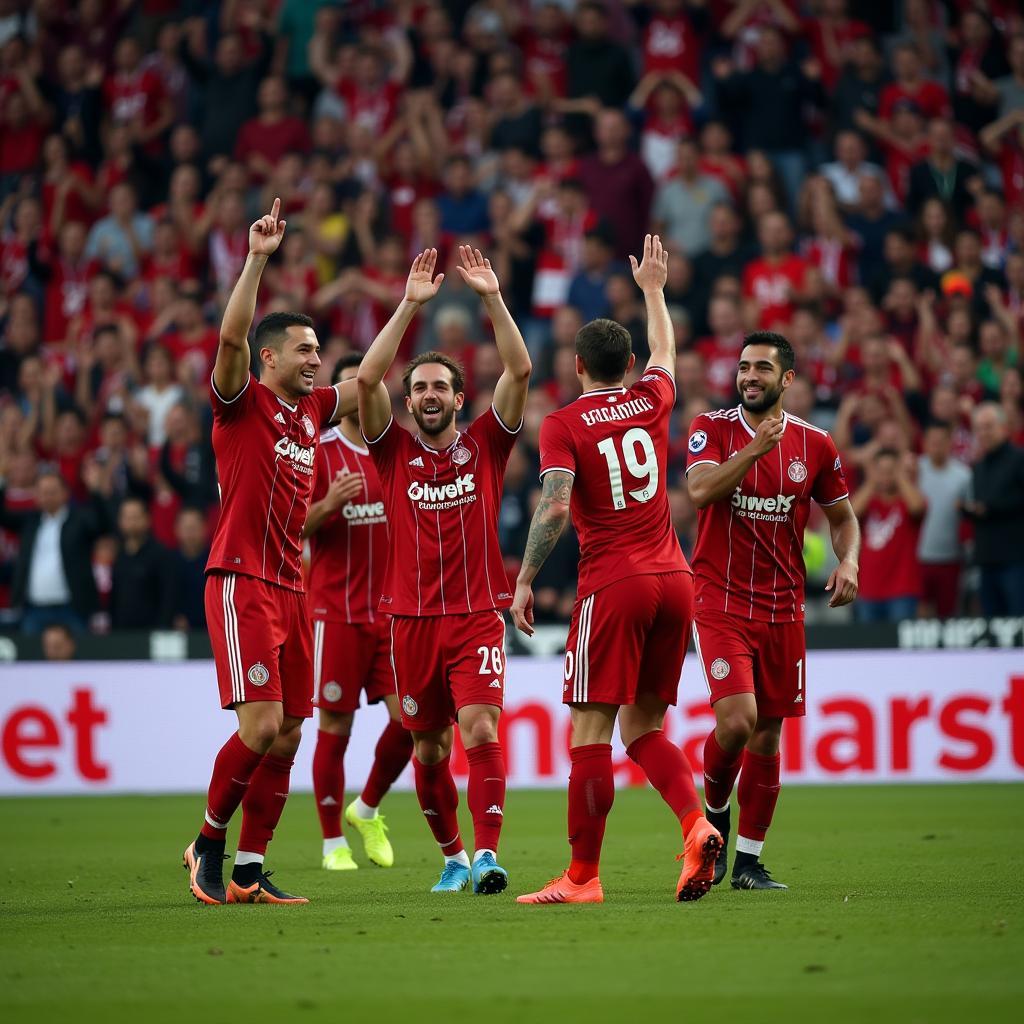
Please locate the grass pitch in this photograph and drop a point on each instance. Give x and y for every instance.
(906, 905)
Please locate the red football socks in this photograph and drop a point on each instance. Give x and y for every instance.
(329, 781)
(486, 794)
(439, 801)
(670, 773)
(758, 794)
(720, 771)
(591, 794)
(232, 771)
(263, 803)
(394, 748)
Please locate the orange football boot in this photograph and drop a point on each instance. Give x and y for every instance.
(699, 854)
(564, 890)
(261, 891)
(205, 877)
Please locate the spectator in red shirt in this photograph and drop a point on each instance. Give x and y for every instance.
(543, 44)
(371, 98)
(267, 137)
(721, 349)
(135, 96)
(831, 35)
(673, 37)
(773, 284)
(618, 184)
(1004, 139)
(67, 283)
(890, 508)
(910, 84)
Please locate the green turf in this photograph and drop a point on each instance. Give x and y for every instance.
(905, 906)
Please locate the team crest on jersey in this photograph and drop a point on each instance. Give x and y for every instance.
(797, 472)
(332, 692)
(409, 706)
(698, 441)
(720, 668)
(258, 674)
(836, 467)
(461, 456)
(307, 425)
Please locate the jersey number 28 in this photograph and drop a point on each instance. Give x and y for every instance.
(641, 461)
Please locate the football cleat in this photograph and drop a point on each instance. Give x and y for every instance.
(700, 852)
(374, 835)
(564, 890)
(454, 878)
(205, 875)
(755, 876)
(261, 891)
(488, 877)
(339, 859)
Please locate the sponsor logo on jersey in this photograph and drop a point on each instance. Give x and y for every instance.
(609, 414)
(798, 699)
(495, 809)
(410, 707)
(797, 471)
(720, 668)
(504, 596)
(838, 464)
(366, 513)
(753, 506)
(332, 692)
(433, 497)
(279, 418)
(612, 399)
(259, 674)
(698, 441)
(418, 461)
(461, 456)
(307, 425)
(494, 684)
(301, 456)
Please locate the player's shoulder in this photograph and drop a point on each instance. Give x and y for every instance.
(815, 436)
(717, 420)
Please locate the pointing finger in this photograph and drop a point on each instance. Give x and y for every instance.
(276, 208)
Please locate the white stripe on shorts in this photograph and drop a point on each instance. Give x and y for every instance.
(700, 658)
(231, 639)
(582, 682)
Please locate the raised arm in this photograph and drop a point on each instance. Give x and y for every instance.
(549, 520)
(650, 274)
(231, 370)
(514, 382)
(373, 398)
(845, 530)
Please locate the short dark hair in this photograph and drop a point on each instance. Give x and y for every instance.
(774, 340)
(604, 348)
(273, 329)
(345, 362)
(453, 366)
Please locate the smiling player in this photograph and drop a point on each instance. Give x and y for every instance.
(446, 581)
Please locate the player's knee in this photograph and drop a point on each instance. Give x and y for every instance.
(736, 727)
(287, 743)
(480, 730)
(430, 751)
(259, 732)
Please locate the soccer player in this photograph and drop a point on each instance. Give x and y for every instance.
(265, 436)
(348, 541)
(446, 582)
(603, 458)
(752, 471)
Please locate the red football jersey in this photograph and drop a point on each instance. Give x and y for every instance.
(749, 555)
(888, 562)
(349, 553)
(615, 443)
(442, 509)
(266, 452)
(772, 286)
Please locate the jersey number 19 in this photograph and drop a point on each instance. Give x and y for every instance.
(641, 460)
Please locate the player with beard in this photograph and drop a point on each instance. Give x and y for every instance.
(265, 436)
(752, 472)
(446, 584)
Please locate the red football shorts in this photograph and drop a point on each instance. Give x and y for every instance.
(261, 640)
(349, 660)
(767, 659)
(628, 639)
(444, 662)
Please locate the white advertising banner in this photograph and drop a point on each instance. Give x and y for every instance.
(872, 716)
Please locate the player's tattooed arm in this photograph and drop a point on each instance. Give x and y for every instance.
(231, 370)
(549, 520)
(846, 543)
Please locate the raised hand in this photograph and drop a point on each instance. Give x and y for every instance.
(476, 271)
(651, 272)
(343, 488)
(266, 234)
(768, 436)
(422, 286)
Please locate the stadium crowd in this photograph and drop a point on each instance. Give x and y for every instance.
(850, 173)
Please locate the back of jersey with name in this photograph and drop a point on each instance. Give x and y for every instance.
(614, 441)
